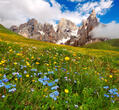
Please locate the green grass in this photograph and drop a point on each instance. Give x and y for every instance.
(106, 45)
(80, 78)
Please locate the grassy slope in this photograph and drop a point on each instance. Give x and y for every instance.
(100, 61)
(8, 36)
(107, 45)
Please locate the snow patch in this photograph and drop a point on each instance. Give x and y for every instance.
(74, 33)
(63, 41)
(42, 32)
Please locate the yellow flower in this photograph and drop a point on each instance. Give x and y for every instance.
(74, 54)
(110, 76)
(37, 63)
(66, 91)
(0, 74)
(102, 78)
(27, 75)
(67, 58)
(19, 54)
(33, 80)
(32, 57)
(47, 64)
(15, 63)
(10, 50)
(27, 63)
(15, 79)
(45, 90)
(55, 62)
(105, 80)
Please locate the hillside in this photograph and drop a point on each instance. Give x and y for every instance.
(106, 45)
(37, 75)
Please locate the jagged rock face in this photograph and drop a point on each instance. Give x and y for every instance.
(66, 29)
(15, 29)
(32, 29)
(84, 30)
(67, 32)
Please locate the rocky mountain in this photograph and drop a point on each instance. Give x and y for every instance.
(65, 33)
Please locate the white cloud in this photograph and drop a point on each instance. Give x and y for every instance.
(77, 0)
(110, 30)
(100, 7)
(18, 11)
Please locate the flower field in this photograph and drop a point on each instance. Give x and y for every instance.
(43, 76)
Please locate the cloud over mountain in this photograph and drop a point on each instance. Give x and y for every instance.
(19, 11)
(110, 30)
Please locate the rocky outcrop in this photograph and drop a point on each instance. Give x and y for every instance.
(84, 30)
(66, 33)
(65, 30)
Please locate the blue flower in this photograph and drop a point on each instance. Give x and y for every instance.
(50, 72)
(41, 80)
(56, 80)
(7, 86)
(45, 78)
(54, 95)
(25, 72)
(2, 85)
(45, 82)
(0, 81)
(3, 96)
(51, 83)
(5, 80)
(54, 88)
(106, 95)
(34, 69)
(39, 73)
(19, 76)
(4, 75)
(35, 74)
(12, 90)
(106, 87)
(15, 73)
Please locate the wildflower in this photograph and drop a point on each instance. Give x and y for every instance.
(37, 63)
(55, 62)
(32, 57)
(105, 95)
(33, 69)
(32, 89)
(3, 96)
(106, 87)
(5, 80)
(105, 80)
(33, 80)
(27, 75)
(54, 95)
(45, 90)
(51, 83)
(15, 63)
(25, 72)
(55, 87)
(27, 63)
(110, 76)
(67, 58)
(66, 91)
(0, 75)
(15, 79)
(47, 64)
(7, 86)
(12, 90)
(76, 106)
(15, 73)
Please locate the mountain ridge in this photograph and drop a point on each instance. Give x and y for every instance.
(66, 32)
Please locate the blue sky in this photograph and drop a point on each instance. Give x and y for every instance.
(15, 12)
(112, 13)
